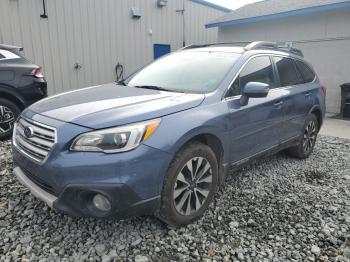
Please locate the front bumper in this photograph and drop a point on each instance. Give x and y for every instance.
(76, 200)
(67, 181)
(34, 189)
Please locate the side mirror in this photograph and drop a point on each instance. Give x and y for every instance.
(255, 90)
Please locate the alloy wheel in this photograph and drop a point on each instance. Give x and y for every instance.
(309, 137)
(7, 119)
(192, 186)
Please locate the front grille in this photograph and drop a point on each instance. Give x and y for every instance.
(38, 145)
(39, 182)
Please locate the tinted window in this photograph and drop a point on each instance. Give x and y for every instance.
(1, 56)
(305, 71)
(287, 71)
(258, 69)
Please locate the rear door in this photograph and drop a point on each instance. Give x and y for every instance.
(297, 96)
(254, 127)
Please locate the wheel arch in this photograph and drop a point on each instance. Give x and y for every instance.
(316, 110)
(13, 96)
(214, 142)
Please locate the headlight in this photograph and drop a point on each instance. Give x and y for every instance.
(116, 139)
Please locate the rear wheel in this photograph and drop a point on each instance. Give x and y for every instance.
(8, 115)
(307, 139)
(189, 186)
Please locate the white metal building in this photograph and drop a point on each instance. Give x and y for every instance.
(79, 42)
(321, 28)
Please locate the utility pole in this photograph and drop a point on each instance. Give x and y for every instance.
(182, 11)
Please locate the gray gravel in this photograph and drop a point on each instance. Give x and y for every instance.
(274, 209)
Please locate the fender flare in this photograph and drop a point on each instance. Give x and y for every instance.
(203, 130)
(320, 116)
(213, 132)
(13, 94)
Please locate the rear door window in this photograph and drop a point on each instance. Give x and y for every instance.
(305, 71)
(258, 69)
(287, 71)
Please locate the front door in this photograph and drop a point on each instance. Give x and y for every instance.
(160, 50)
(255, 127)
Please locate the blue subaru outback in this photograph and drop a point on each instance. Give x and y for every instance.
(161, 141)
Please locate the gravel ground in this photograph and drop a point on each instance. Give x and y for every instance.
(274, 209)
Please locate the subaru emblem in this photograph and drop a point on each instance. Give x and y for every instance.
(28, 132)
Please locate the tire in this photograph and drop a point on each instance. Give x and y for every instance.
(8, 115)
(307, 139)
(176, 212)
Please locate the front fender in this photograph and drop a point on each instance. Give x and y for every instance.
(202, 130)
(177, 129)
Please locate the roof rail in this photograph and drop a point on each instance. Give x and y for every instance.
(278, 46)
(247, 46)
(214, 44)
(260, 45)
(288, 47)
(191, 46)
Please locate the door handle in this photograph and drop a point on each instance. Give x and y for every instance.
(278, 104)
(307, 95)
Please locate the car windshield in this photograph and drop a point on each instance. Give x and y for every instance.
(187, 71)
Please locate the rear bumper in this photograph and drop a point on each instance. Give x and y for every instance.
(32, 89)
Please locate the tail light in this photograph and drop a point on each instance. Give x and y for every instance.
(324, 89)
(37, 72)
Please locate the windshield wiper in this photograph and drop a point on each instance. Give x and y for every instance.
(156, 88)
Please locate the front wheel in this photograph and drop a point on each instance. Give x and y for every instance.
(307, 139)
(189, 186)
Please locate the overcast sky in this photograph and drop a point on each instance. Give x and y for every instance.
(232, 4)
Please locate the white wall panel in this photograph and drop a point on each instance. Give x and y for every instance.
(98, 34)
(196, 18)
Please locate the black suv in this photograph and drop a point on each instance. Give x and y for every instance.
(21, 84)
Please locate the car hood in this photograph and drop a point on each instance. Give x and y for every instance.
(111, 105)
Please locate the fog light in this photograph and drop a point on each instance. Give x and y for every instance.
(101, 203)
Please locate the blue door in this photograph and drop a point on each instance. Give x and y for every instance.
(160, 50)
(255, 127)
